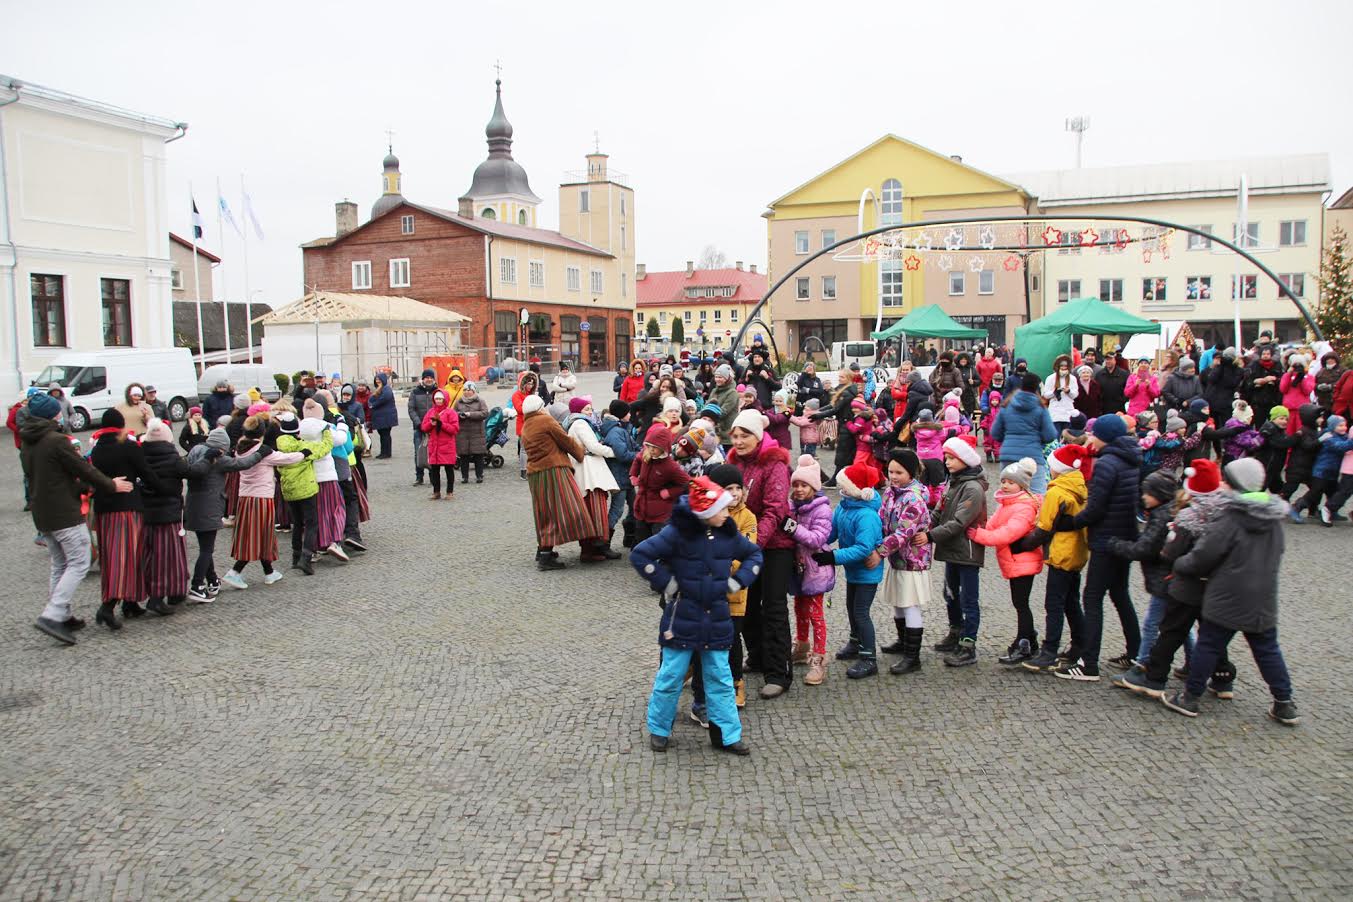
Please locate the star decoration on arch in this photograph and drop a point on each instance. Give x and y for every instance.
(1052, 236)
(1146, 255)
(912, 263)
(1011, 263)
(987, 237)
(923, 241)
(1120, 241)
(946, 262)
(975, 264)
(954, 240)
(1089, 238)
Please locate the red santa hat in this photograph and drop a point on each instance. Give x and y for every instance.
(707, 497)
(964, 447)
(1203, 477)
(1068, 458)
(858, 481)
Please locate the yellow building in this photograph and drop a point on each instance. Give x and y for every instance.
(898, 181)
(710, 304)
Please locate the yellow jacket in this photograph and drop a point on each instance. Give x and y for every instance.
(746, 523)
(1068, 550)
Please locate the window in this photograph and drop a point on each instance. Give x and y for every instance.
(718, 315)
(890, 275)
(521, 217)
(1292, 232)
(1198, 288)
(568, 336)
(800, 242)
(1070, 243)
(575, 278)
(829, 288)
(624, 284)
(176, 279)
(1200, 242)
(1034, 282)
(957, 283)
(704, 315)
(639, 317)
(598, 286)
(1295, 282)
(662, 318)
(622, 203)
(361, 274)
(828, 237)
(536, 273)
(584, 201)
(1068, 290)
(406, 225)
(890, 204)
(733, 315)
(488, 213)
(117, 312)
(623, 243)
(986, 281)
(399, 273)
(826, 331)
(507, 270)
(1153, 288)
(801, 288)
(1251, 238)
(1249, 287)
(1111, 291)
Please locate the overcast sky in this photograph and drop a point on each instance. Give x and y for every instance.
(712, 109)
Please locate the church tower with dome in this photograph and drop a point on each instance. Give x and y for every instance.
(390, 196)
(500, 189)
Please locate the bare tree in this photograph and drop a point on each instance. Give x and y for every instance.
(712, 258)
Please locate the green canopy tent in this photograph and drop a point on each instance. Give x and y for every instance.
(1043, 340)
(928, 322)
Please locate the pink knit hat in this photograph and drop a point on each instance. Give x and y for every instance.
(258, 407)
(808, 472)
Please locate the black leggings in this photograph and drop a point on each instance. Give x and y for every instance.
(1020, 589)
(465, 460)
(385, 451)
(240, 565)
(435, 471)
(204, 570)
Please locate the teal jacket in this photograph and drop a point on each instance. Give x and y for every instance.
(857, 530)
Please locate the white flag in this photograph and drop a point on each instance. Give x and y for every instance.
(223, 209)
(249, 216)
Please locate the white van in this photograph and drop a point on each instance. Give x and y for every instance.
(846, 352)
(243, 376)
(95, 380)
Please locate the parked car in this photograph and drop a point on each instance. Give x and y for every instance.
(94, 380)
(243, 376)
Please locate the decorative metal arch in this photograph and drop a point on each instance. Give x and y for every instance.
(1283, 290)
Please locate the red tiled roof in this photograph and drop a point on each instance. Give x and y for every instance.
(189, 245)
(670, 287)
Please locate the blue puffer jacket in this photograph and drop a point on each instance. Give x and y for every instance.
(1111, 510)
(1331, 454)
(619, 437)
(1023, 427)
(857, 530)
(384, 411)
(701, 559)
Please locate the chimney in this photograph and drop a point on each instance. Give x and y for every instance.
(465, 208)
(345, 217)
(738, 266)
(640, 271)
(956, 158)
(690, 268)
(753, 269)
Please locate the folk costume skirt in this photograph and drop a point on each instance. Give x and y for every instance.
(333, 515)
(281, 510)
(255, 539)
(164, 561)
(232, 492)
(560, 512)
(120, 555)
(363, 505)
(598, 504)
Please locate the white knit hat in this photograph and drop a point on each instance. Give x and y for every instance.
(532, 404)
(672, 405)
(753, 421)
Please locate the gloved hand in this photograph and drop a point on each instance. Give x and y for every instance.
(825, 558)
(1064, 523)
(789, 525)
(306, 452)
(1325, 436)
(214, 453)
(266, 448)
(734, 585)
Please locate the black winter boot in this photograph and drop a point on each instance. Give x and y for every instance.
(157, 606)
(132, 609)
(911, 653)
(900, 645)
(107, 615)
(546, 560)
(949, 643)
(605, 549)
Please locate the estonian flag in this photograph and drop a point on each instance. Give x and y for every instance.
(197, 221)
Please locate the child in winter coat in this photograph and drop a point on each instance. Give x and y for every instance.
(861, 426)
(904, 514)
(1015, 517)
(1245, 438)
(857, 532)
(964, 504)
(808, 427)
(1158, 494)
(658, 482)
(930, 438)
(300, 489)
(810, 524)
(255, 538)
(992, 447)
(1067, 554)
(730, 477)
(1301, 460)
(1274, 444)
(778, 417)
(1334, 443)
(690, 562)
(440, 424)
(194, 431)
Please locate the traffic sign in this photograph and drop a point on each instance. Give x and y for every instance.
(585, 326)
(700, 333)
(728, 333)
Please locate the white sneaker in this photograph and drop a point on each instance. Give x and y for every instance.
(337, 551)
(234, 580)
(273, 577)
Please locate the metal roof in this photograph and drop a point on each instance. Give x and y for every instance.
(1296, 174)
(339, 307)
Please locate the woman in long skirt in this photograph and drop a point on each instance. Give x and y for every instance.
(255, 539)
(164, 563)
(593, 477)
(330, 508)
(561, 516)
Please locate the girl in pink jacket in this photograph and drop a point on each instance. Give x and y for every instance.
(1142, 389)
(1296, 386)
(1015, 517)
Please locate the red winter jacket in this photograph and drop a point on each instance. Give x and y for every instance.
(441, 424)
(986, 369)
(658, 483)
(1343, 396)
(765, 476)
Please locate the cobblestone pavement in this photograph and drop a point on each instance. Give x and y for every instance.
(439, 719)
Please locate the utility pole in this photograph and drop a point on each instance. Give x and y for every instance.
(1080, 125)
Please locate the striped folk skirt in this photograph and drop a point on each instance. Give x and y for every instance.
(332, 514)
(281, 510)
(254, 539)
(232, 492)
(598, 504)
(560, 512)
(363, 505)
(120, 555)
(164, 561)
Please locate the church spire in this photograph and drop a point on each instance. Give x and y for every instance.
(390, 180)
(499, 175)
(499, 130)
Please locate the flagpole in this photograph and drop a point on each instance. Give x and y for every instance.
(197, 283)
(248, 310)
(225, 292)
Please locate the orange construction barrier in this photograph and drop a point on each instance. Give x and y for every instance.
(468, 364)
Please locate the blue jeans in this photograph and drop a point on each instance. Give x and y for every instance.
(1039, 484)
(810, 449)
(1268, 657)
(961, 598)
(859, 599)
(617, 508)
(1155, 610)
(719, 700)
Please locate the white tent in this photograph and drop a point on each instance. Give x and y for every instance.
(1146, 345)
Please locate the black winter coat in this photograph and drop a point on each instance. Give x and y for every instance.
(809, 387)
(1239, 557)
(1111, 509)
(1301, 461)
(1273, 452)
(164, 460)
(218, 404)
(1262, 397)
(1220, 385)
(1112, 389)
(840, 408)
(1147, 548)
(114, 457)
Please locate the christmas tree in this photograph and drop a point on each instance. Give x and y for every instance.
(678, 332)
(1335, 314)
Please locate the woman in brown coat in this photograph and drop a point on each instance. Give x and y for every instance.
(560, 514)
(471, 444)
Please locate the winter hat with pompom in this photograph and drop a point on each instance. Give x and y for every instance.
(1021, 472)
(707, 497)
(964, 447)
(1242, 411)
(157, 430)
(1067, 458)
(1203, 478)
(808, 472)
(858, 481)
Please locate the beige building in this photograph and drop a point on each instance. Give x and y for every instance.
(181, 276)
(1176, 276)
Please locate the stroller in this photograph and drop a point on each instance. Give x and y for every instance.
(495, 432)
